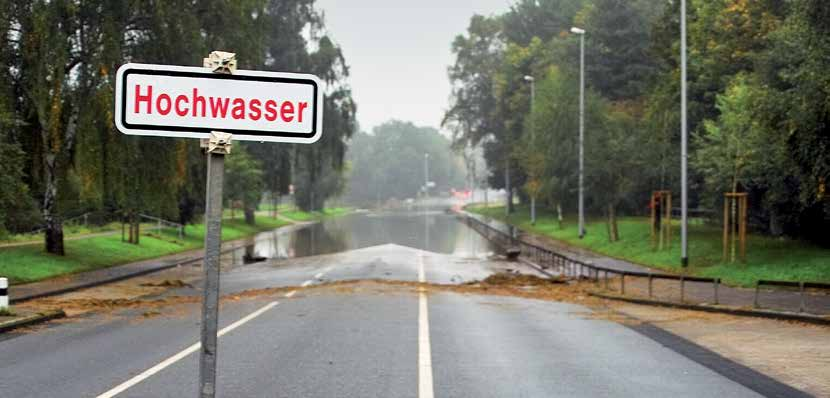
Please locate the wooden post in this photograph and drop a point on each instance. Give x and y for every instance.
(735, 215)
(667, 219)
(743, 227)
(653, 220)
(725, 228)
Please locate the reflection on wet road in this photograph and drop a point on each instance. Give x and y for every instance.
(435, 231)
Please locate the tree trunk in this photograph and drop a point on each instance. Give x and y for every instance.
(131, 231)
(508, 186)
(613, 230)
(559, 214)
(138, 232)
(250, 216)
(775, 228)
(54, 225)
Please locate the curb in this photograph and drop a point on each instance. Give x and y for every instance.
(31, 320)
(100, 282)
(777, 315)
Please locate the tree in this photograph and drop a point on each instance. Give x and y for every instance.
(50, 53)
(613, 162)
(619, 65)
(243, 182)
(729, 149)
(389, 163)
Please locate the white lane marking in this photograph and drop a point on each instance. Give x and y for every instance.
(425, 389)
(290, 294)
(306, 283)
(187, 351)
(318, 276)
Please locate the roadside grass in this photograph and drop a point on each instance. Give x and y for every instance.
(26, 264)
(767, 257)
(69, 231)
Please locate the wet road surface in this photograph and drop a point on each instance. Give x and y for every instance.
(357, 340)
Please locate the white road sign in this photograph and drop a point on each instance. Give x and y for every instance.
(180, 101)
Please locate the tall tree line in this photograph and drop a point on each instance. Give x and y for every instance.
(391, 162)
(759, 104)
(61, 153)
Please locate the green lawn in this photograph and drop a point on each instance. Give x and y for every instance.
(767, 257)
(69, 230)
(299, 215)
(30, 263)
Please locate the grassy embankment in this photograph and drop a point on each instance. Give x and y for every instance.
(30, 263)
(767, 257)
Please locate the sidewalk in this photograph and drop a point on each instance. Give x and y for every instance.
(817, 303)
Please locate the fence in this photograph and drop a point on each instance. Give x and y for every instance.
(653, 285)
(162, 224)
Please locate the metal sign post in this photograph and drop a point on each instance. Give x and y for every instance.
(218, 145)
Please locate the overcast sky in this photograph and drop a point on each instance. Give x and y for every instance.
(399, 51)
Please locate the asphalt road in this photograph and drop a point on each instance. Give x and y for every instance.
(358, 340)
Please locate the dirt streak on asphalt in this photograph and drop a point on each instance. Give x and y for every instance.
(795, 353)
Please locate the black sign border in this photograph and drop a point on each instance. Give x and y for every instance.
(208, 130)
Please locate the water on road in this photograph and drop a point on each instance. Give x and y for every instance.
(430, 230)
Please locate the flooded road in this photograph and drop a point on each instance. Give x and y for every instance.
(432, 230)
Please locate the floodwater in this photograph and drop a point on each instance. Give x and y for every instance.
(426, 229)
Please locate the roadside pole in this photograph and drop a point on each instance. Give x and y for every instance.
(217, 146)
(684, 134)
(4, 294)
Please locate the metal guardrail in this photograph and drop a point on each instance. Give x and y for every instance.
(801, 286)
(569, 266)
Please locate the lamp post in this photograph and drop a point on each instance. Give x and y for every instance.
(581, 33)
(426, 174)
(684, 192)
(533, 138)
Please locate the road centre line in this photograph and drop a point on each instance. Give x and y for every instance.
(425, 387)
(182, 354)
(290, 294)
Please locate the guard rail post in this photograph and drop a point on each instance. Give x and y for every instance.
(757, 288)
(622, 283)
(801, 296)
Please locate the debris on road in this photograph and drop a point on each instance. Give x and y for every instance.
(174, 283)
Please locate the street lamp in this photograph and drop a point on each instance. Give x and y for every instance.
(684, 133)
(426, 174)
(533, 138)
(581, 33)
